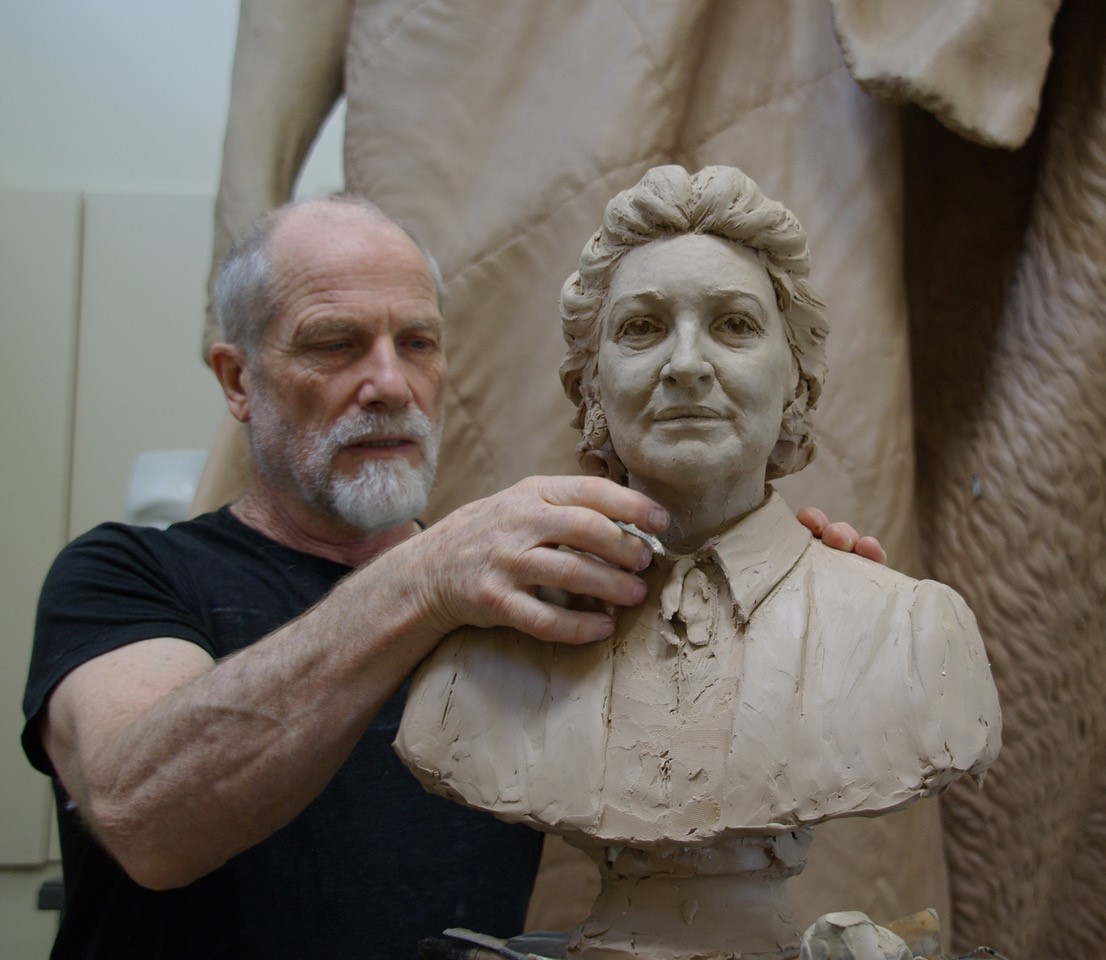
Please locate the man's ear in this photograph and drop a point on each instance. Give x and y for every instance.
(231, 368)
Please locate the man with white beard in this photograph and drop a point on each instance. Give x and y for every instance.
(216, 702)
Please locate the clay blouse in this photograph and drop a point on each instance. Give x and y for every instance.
(767, 682)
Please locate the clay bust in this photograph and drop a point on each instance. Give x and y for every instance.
(767, 683)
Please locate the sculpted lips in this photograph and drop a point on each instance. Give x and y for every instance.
(689, 413)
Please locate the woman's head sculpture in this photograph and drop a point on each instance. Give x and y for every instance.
(669, 202)
(766, 683)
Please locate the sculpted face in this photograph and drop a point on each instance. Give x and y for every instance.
(346, 406)
(694, 367)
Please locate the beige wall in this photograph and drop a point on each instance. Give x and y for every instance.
(123, 96)
(113, 119)
(100, 296)
(39, 260)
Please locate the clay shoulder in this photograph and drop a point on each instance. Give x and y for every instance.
(927, 622)
(858, 575)
(500, 656)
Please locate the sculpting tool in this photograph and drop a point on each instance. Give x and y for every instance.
(655, 545)
(469, 945)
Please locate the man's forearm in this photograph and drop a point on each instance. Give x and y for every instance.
(175, 787)
(178, 763)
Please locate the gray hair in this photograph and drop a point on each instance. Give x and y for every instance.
(245, 303)
(670, 202)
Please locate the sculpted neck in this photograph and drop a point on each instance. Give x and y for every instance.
(292, 524)
(699, 511)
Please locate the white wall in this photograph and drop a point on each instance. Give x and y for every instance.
(123, 96)
(111, 128)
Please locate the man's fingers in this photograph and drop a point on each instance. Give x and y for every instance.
(871, 548)
(586, 576)
(840, 536)
(813, 519)
(570, 601)
(555, 624)
(494, 555)
(605, 497)
(586, 531)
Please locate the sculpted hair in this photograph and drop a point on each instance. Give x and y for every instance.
(670, 202)
(245, 302)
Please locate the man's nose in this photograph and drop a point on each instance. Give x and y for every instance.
(687, 364)
(383, 382)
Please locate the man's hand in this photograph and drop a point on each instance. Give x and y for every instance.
(841, 535)
(499, 562)
(486, 563)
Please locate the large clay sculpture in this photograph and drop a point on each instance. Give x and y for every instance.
(768, 683)
(497, 129)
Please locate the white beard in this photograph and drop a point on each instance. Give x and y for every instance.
(384, 493)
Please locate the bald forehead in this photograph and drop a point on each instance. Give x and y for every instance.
(328, 226)
(322, 238)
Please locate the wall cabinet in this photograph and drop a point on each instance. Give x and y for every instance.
(101, 301)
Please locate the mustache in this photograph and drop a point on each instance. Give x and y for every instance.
(412, 423)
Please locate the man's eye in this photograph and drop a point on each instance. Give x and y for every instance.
(421, 344)
(338, 346)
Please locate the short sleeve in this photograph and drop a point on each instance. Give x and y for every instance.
(108, 588)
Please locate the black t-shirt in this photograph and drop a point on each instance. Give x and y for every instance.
(370, 867)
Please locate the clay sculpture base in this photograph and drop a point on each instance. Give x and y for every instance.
(656, 904)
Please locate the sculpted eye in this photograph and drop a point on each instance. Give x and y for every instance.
(736, 326)
(639, 328)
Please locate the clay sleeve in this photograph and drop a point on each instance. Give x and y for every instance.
(953, 672)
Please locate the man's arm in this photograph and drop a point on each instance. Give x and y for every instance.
(288, 67)
(178, 763)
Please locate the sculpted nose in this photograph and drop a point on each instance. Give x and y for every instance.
(687, 365)
(383, 383)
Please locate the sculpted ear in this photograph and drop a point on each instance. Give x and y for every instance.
(232, 371)
(594, 451)
(798, 386)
